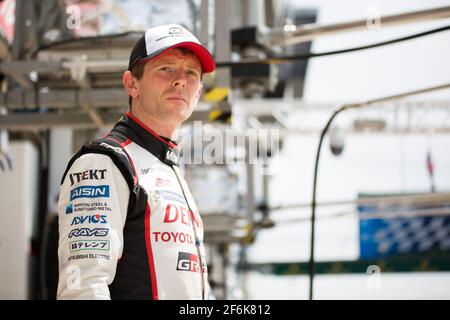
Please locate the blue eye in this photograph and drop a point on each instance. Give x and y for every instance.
(192, 73)
(168, 69)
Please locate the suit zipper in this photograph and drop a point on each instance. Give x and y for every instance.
(197, 241)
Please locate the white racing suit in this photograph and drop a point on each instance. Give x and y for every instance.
(128, 225)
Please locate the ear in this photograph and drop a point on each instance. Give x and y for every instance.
(200, 90)
(130, 84)
(199, 94)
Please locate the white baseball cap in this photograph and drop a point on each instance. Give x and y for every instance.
(159, 39)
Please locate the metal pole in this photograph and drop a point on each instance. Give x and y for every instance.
(308, 32)
(316, 164)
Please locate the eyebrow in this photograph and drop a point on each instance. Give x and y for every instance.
(164, 60)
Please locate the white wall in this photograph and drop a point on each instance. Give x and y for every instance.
(370, 163)
(381, 71)
(403, 286)
(18, 208)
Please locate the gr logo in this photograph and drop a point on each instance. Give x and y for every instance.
(187, 262)
(374, 277)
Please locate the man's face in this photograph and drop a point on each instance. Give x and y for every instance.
(170, 86)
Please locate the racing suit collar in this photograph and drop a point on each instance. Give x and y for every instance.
(166, 151)
(153, 133)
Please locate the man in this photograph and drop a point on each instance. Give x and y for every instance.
(128, 225)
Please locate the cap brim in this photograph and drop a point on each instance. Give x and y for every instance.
(203, 55)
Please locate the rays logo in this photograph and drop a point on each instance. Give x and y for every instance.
(187, 262)
(88, 232)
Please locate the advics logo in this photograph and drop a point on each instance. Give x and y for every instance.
(89, 219)
(187, 262)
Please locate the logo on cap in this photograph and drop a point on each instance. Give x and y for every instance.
(175, 30)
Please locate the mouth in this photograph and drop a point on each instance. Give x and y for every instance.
(177, 98)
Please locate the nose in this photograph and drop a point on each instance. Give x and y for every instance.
(180, 79)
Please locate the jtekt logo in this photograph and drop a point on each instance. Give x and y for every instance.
(92, 174)
(187, 262)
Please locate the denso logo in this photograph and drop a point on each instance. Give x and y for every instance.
(187, 262)
(89, 219)
(89, 192)
(88, 232)
(176, 214)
